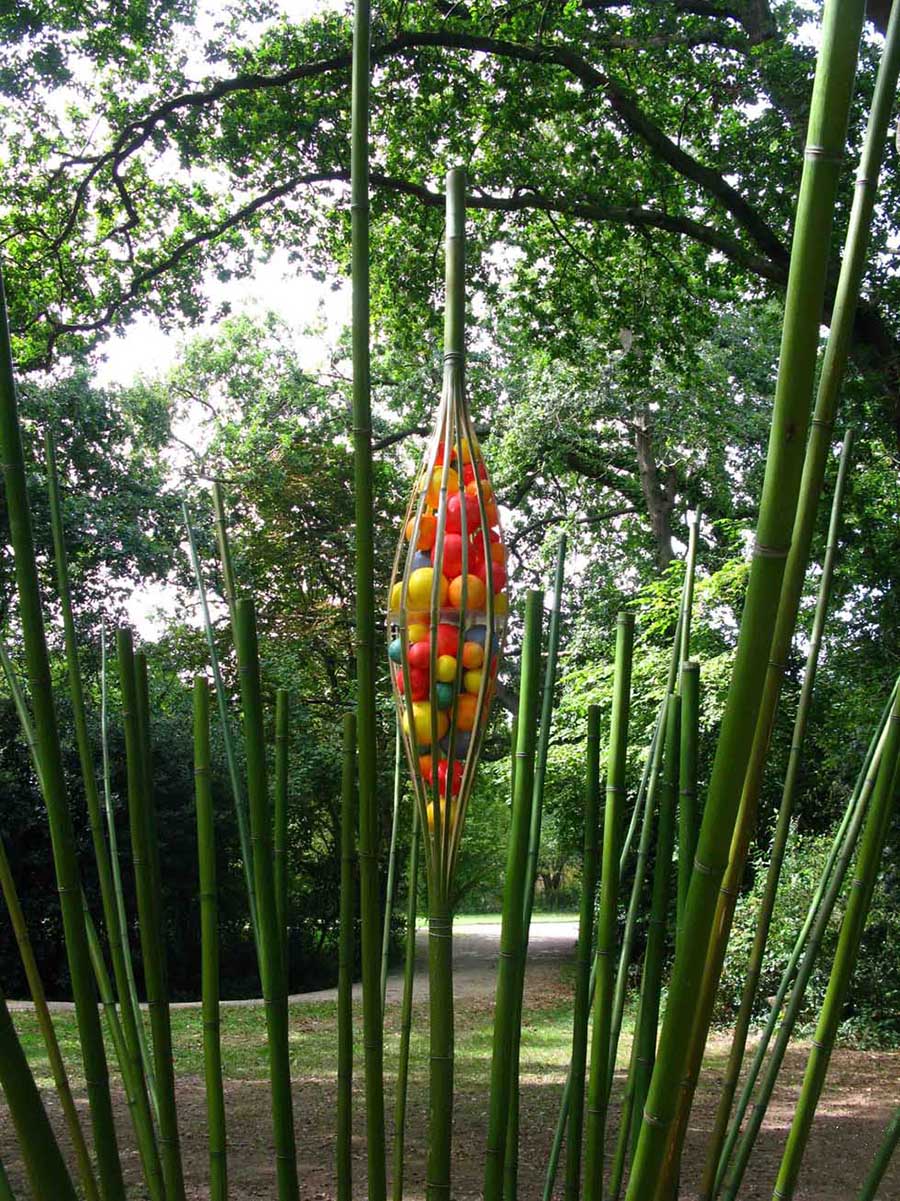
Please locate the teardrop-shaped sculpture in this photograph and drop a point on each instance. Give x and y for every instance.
(447, 611)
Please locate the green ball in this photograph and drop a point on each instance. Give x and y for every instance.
(444, 695)
(395, 650)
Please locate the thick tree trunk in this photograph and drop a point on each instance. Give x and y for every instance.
(658, 488)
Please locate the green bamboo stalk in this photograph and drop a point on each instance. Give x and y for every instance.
(149, 915)
(780, 838)
(797, 974)
(642, 805)
(690, 569)
(132, 1077)
(53, 777)
(687, 774)
(45, 1025)
(346, 948)
(409, 972)
(882, 1159)
(209, 948)
(131, 992)
(392, 859)
(511, 933)
(654, 955)
(225, 559)
(511, 1159)
(6, 1193)
(606, 921)
(132, 1025)
(865, 877)
(29, 963)
(831, 376)
(237, 792)
(581, 1009)
(271, 963)
(829, 111)
(364, 509)
(44, 1164)
(282, 744)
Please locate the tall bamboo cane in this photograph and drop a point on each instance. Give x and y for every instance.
(131, 982)
(271, 963)
(132, 1080)
(511, 935)
(237, 792)
(225, 560)
(149, 916)
(346, 948)
(687, 781)
(209, 943)
(511, 1161)
(690, 569)
(47, 1172)
(53, 778)
(882, 1159)
(280, 824)
(797, 973)
(606, 921)
(29, 963)
(833, 366)
(112, 913)
(392, 859)
(651, 981)
(6, 1193)
(581, 1008)
(780, 839)
(806, 287)
(865, 877)
(409, 972)
(365, 601)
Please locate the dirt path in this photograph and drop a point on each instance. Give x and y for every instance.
(860, 1094)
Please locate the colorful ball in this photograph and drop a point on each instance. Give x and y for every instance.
(454, 513)
(418, 684)
(469, 472)
(422, 558)
(501, 604)
(475, 592)
(473, 654)
(443, 811)
(447, 639)
(427, 531)
(416, 631)
(434, 488)
(487, 491)
(451, 558)
(395, 650)
(472, 681)
(444, 693)
(455, 778)
(420, 656)
(465, 711)
(419, 588)
(446, 669)
(422, 722)
(396, 596)
(477, 634)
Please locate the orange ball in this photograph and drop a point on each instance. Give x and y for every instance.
(473, 654)
(465, 711)
(434, 488)
(427, 531)
(475, 592)
(486, 490)
(498, 552)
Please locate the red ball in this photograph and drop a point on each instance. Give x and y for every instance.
(469, 472)
(418, 684)
(476, 553)
(451, 564)
(454, 515)
(420, 657)
(456, 778)
(447, 639)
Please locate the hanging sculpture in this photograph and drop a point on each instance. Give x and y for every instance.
(448, 605)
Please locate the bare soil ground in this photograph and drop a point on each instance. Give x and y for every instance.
(861, 1092)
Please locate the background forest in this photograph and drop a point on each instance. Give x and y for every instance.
(633, 169)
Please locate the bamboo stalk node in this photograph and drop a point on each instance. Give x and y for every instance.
(824, 154)
(761, 551)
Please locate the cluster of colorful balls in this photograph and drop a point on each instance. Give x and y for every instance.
(461, 631)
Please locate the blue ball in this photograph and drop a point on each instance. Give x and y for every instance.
(444, 695)
(477, 634)
(421, 559)
(395, 651)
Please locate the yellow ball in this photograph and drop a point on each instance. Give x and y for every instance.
(418, 594)
(442, 801)
(396, 594)
(417, 632)
(422, 722)
(434, 488)
(472, 681)
(501, 604)
(446, 669)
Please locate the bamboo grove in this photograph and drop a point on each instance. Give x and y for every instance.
(668, 836)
